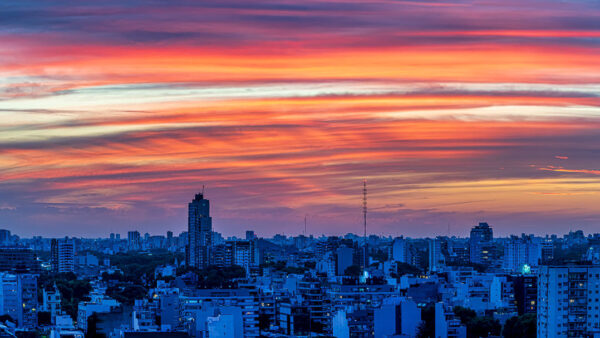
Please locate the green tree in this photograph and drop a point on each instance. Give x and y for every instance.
(380, 255)
(483, 327)
(464, 314)
(427, 327)
(524, 326)
(477, 326)
(72, 290)
(406, 269)
(264, 322)
(220, 277)
(127, 294)
(352, 271)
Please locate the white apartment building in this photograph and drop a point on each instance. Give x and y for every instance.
(568, 301)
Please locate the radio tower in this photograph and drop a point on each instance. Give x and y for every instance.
(365, 259)
(365, 208)
(304, 225)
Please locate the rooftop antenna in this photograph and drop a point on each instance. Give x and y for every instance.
(203, 190)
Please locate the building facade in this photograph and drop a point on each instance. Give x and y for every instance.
(568, 301)
(199, 232)
(480, 242)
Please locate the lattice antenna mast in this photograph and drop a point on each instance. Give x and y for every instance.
(365, 209)
(304, 225)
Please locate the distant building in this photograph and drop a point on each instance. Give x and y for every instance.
(400, 250)
(293, 319)
(134, 240)
(345, 258)
(88, 260)
(480, 244)
(547, 251)
(397, 317)
(4, 237)
(62, 255)
(340, 326)
(170, 239)
(250, 235)
(568, 301)
(199, 232)
(314, 297)
(447, 324)
(525, 291)
(246, 254)
(51, 303)
(522, 252)
(227, 324)
(99, 303)
(436, 258)
(18, 298)
(208, 301)
(242, 253)
(18, 259)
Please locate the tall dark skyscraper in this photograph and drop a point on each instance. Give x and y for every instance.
(480, 243)
(199, 232)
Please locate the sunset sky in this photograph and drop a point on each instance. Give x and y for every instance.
(113, 114)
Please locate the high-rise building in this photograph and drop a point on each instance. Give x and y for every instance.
(246, 254)
(199, 232)
(250, 235)
(223, 255)
(242, 253)
(18, 298)
(480, 244)
(345, 258)
(547, 250)
(54, 255)
(133, 240)
(4, 237)
(525, 291)
(18, 259)
(169, 238)
(397, 317)
(62, 255)
(400, 250)
(314, 297)
(436, 258)
(568, 301)
(523, 252)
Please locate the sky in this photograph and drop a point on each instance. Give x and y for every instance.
(113, 114)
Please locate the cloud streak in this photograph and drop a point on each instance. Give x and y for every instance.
(282, 108)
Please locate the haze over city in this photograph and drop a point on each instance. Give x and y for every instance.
(113, 114)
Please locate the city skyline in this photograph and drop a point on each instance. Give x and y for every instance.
(112, 115)
(286, 168)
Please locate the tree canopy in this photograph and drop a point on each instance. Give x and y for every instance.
(524, 326)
